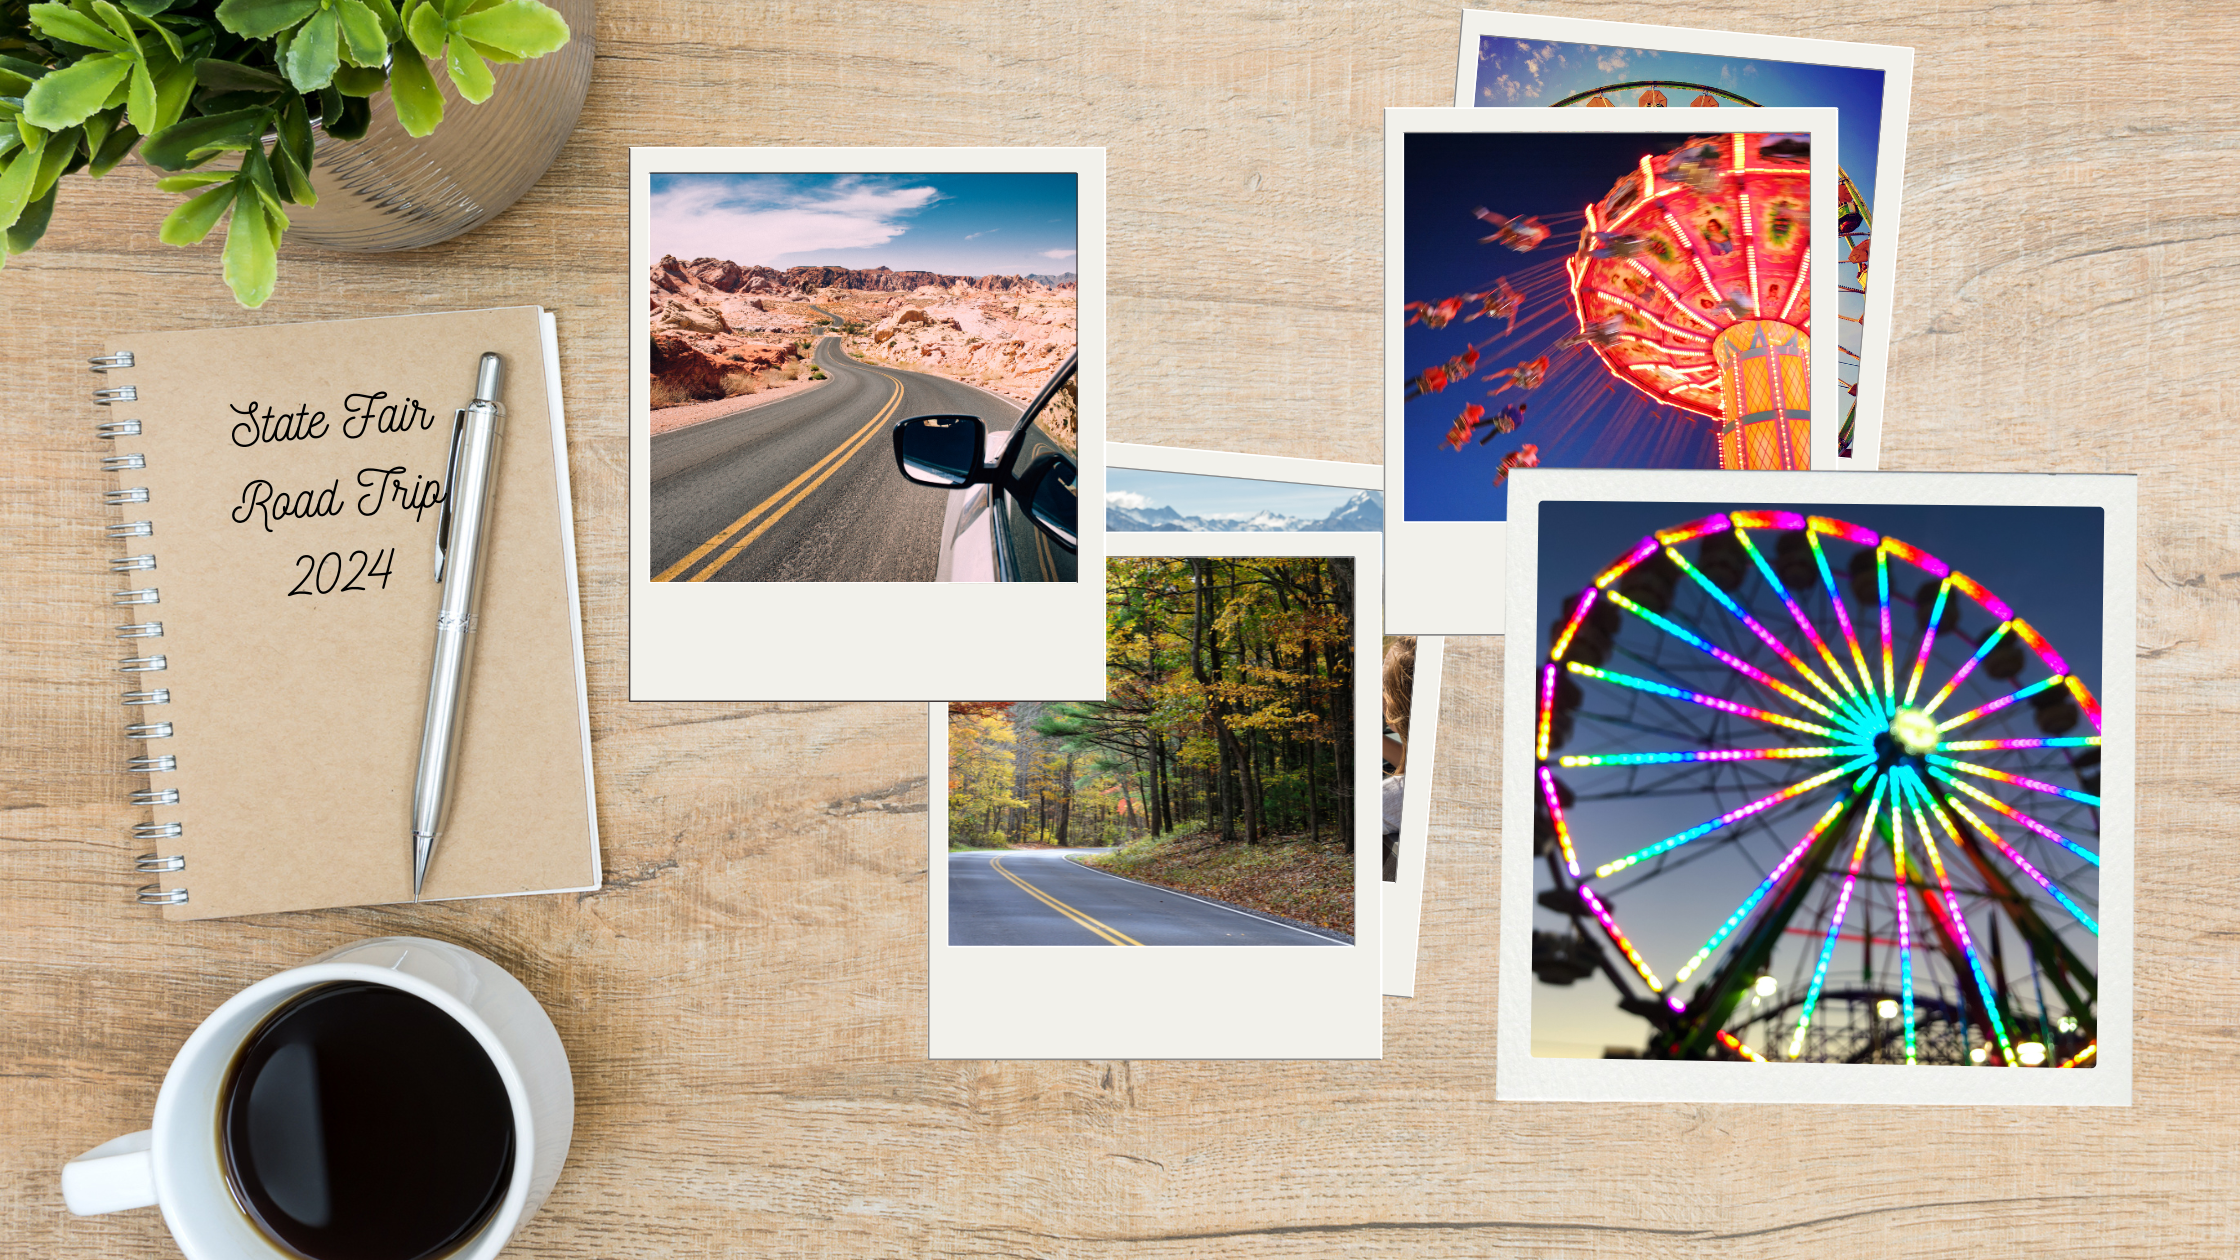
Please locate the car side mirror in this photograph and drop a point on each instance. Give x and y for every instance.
(944, 451)
(1052, 495)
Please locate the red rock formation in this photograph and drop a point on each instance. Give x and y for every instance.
(695, 367)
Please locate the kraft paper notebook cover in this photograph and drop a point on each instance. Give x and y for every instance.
(281, 490)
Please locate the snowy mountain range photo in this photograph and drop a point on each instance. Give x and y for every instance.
(1131, 512)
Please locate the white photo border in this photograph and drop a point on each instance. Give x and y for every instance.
(1896, 65)
(1174, 1002)
(739, 641)
(1518, 1075)
(1422, 595)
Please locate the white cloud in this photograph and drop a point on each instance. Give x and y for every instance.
(756, 222)
(1611, 64)
(974, 236)
(1126, 498)
(1057, 253)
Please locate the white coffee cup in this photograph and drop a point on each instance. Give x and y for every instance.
(175, 1163)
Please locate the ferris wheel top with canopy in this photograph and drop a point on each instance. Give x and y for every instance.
(1888, 806)
(1854, 215)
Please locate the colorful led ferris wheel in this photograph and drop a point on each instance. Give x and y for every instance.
(1854, 222)
(1893, 855)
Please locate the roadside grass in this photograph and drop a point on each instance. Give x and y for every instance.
(1287, 875)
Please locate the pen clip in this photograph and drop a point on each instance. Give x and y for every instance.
(450, 479)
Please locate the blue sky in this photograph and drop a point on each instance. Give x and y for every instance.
(2047, 563)
(1194, 494)
(955, 224)
(1538, 72)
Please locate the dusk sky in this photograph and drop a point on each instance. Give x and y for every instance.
(955, 224)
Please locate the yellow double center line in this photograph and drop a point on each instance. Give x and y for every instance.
(821, 471)
(1111, 935)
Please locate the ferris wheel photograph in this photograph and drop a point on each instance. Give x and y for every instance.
(1817, 782)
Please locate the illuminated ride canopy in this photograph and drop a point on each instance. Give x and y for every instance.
(1702, 258)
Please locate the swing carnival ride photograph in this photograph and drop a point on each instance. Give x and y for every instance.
(1609, 288)
(1820, 782)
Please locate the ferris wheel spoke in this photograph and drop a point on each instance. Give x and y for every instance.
(1986, 772)
(1796, 613)
(1900, 894)
(1750, 903)
(2020, 863)
(1928, 639)
(1555, 812)
(1986, 710)
(1730, 818)
(2016, 815)
(1721, 655)
(1990, 745)
(1697, 697)
(1983, 649)
(1957, 923)
(1882, 591)
(1843, 617)
(1618, 937)
(1835, 922)
(1819, 753)
(1755, 627)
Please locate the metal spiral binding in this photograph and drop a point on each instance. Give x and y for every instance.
(149, 763)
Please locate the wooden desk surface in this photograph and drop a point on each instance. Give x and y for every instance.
(744, 1001)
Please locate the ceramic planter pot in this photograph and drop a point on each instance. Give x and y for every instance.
(390, 191)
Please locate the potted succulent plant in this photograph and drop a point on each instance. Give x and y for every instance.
(241, 84)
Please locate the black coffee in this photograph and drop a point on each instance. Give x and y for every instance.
(362, 1123)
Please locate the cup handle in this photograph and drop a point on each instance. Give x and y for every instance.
(111, 1177)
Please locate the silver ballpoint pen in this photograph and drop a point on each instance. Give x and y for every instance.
(468, 498)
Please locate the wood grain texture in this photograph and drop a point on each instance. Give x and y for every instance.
(743, 1002)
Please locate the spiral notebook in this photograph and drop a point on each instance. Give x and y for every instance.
(280, 489)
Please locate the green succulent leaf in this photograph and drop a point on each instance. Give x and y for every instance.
(192, 219)
(32, 223)
(469, 73)
(426, 27)
(315, 52)
(252, 255)
(192, 141)
(192, 180)
(174, 88)
(295, 131)
(497, 56)
(145, 8)
(72, 27)
(112, 150)
(170, 41)
(16, 181)
(113, 18)
(359, 80)
(64, 97)
(13, 84)
(362, 41)
(262, 19)
(140, 97)
(59, 156)
(350, 119)
(392, 27)
(232, 76)
(524, 28)
(413, 91)
(295, 183)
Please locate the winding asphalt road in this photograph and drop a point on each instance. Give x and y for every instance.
(1040, 897)
(805, 489)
